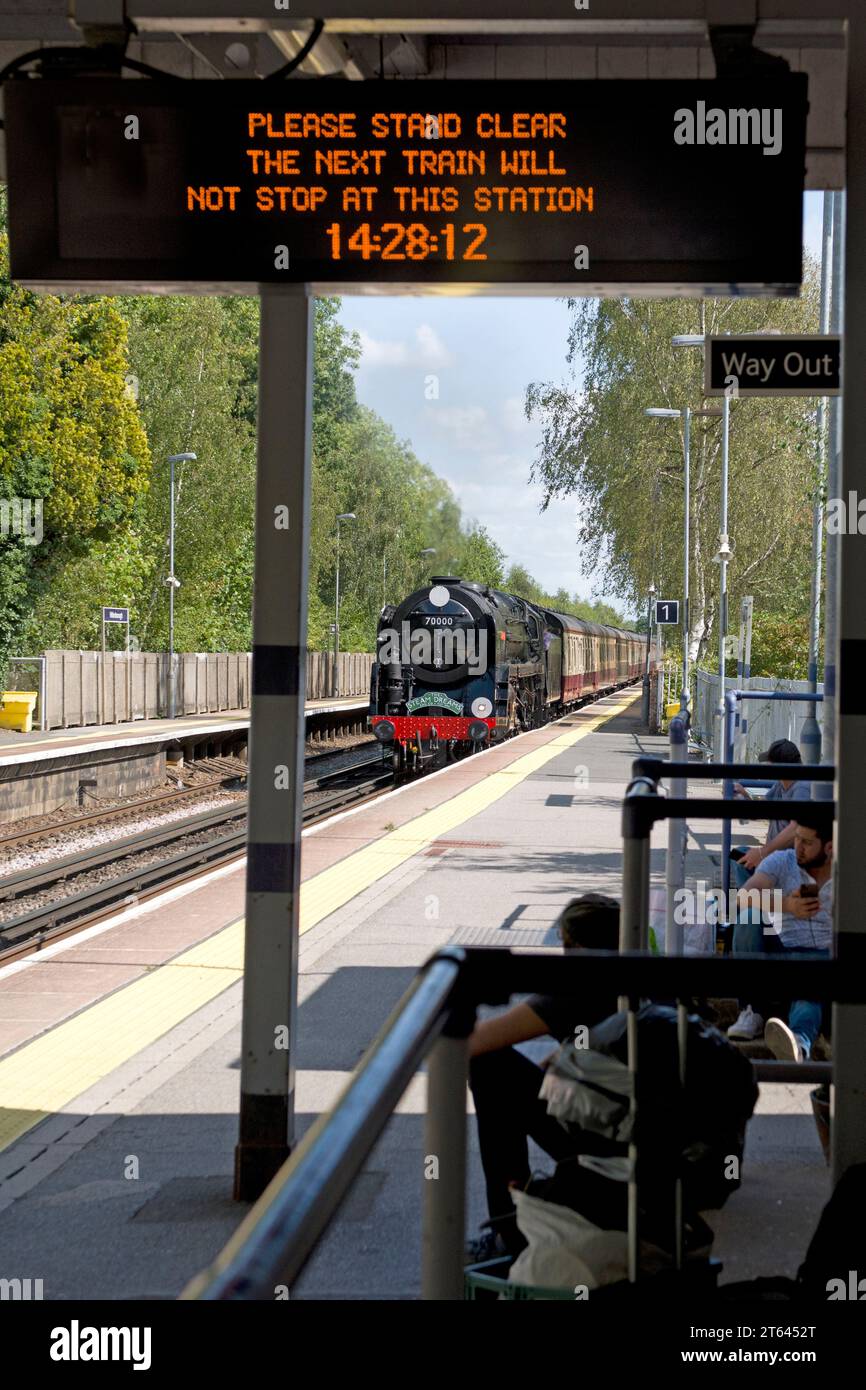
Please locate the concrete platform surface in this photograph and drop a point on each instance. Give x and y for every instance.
(16, 748)
(124, 1189)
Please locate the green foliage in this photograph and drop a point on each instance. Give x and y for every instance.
(71, 441)
(627, 470)
(780, 646)
(96, 394)
(519, 581)
(194, 361)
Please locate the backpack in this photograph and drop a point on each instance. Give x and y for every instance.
(698, 1131)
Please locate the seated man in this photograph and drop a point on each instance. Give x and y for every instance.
(804, 876)
(780, 832)
(780, 835)
(505, 1084)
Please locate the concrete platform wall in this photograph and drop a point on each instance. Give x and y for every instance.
(54, 783)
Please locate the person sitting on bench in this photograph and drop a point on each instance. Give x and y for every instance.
(505, 1083)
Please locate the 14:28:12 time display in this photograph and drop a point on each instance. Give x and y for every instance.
(398, 241)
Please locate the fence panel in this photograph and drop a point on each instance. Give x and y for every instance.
(766, 720)
(79, 691)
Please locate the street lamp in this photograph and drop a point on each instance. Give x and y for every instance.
(343, 516)
(172, 582)
(724, 552)
(651, 593)
(663, 413)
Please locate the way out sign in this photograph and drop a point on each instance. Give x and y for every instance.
(667, 612)
(770, 364)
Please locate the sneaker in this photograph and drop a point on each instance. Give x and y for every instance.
(785, 1045)
(748, 1026)
(487, 1245)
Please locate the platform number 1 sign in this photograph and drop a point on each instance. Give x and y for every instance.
(667, 612)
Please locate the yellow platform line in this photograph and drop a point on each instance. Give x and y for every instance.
(338, 885)
(45, 1075)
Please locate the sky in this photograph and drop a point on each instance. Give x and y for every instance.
(483, 353)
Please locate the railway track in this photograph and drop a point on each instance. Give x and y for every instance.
(114, 813)
(329, 791)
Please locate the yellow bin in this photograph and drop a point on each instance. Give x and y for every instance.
(671, 710)
(17, 711)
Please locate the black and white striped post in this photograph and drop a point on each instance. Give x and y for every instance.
(848, 1125)
(276, 749)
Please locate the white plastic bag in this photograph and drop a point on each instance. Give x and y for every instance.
(564, 1248)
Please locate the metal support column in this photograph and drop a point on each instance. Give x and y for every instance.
(677, 831)
(634, 905)
(848, 1126)
(172, 688)
(645, 703)
(723, 572)
(276, 737)
(834, 489)
(744, 684)
(444, 1227)
(810, 734)
(685, 698)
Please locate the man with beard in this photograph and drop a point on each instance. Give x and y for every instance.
(803, 874)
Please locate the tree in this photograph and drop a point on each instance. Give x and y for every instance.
(192, 357)
(72, 448)
(480, 558)
(627, 470)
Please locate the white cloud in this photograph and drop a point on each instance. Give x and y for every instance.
(433, 351)
(469, 426)
(513, 417)
(428, 350)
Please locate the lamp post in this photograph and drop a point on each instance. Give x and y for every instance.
(172, 582)
(651, 592)
(724, 552)
(662, 413)
(343, 516)
(723, 555)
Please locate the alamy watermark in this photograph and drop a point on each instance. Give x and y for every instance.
(20, 1290)
(846, 518)
(436, 644)
(710, 906)
(21, 517)
(737, 126)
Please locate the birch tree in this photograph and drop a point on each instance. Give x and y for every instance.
(625, 470)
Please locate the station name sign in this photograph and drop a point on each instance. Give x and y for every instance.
(772, 364)
(686, 186)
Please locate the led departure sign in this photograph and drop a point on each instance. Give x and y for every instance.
(684, 185)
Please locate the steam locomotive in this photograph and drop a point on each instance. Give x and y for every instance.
(460, 666)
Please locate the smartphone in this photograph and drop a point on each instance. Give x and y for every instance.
(808, 890)
(737, 855)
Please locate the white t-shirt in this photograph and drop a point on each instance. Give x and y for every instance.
(815, 932)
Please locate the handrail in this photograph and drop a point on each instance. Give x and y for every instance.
(274, 1242)
(656, 768)
(651, 769)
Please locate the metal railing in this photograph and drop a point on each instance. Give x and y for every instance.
(434, 1019)
(778, 709)
(644, 805)
(732, 699)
